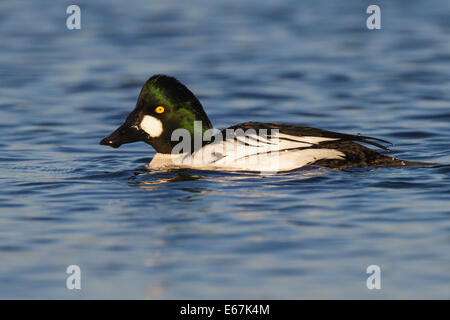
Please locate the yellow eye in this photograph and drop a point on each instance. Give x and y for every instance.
(159, 109)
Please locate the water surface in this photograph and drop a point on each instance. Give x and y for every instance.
(309, 233)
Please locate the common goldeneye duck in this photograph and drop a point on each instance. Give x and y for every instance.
(170, 118)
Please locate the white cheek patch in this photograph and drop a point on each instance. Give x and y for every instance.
(152, 126)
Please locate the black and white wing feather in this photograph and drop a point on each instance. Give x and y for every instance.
(323, 147)
(303, 131)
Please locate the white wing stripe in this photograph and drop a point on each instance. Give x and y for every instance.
(306, 139)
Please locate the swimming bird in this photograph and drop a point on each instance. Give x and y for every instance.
(170, 118)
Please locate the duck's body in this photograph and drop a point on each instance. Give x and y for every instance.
(291, 147)
(165, 107)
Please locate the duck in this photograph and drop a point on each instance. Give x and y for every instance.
(170, 118)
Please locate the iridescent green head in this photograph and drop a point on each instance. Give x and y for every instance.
(163, 106)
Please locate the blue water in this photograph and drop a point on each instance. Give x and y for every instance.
(66, 200)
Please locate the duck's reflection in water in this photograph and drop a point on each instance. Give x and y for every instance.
(155, 179)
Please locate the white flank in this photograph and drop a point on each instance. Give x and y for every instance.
(152, 126)
(251, 153)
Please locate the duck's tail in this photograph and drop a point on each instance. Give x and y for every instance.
(387, 161)
(357, 155)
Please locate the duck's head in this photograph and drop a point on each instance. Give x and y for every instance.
(163, 106)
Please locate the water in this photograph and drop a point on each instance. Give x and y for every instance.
(311, 233)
